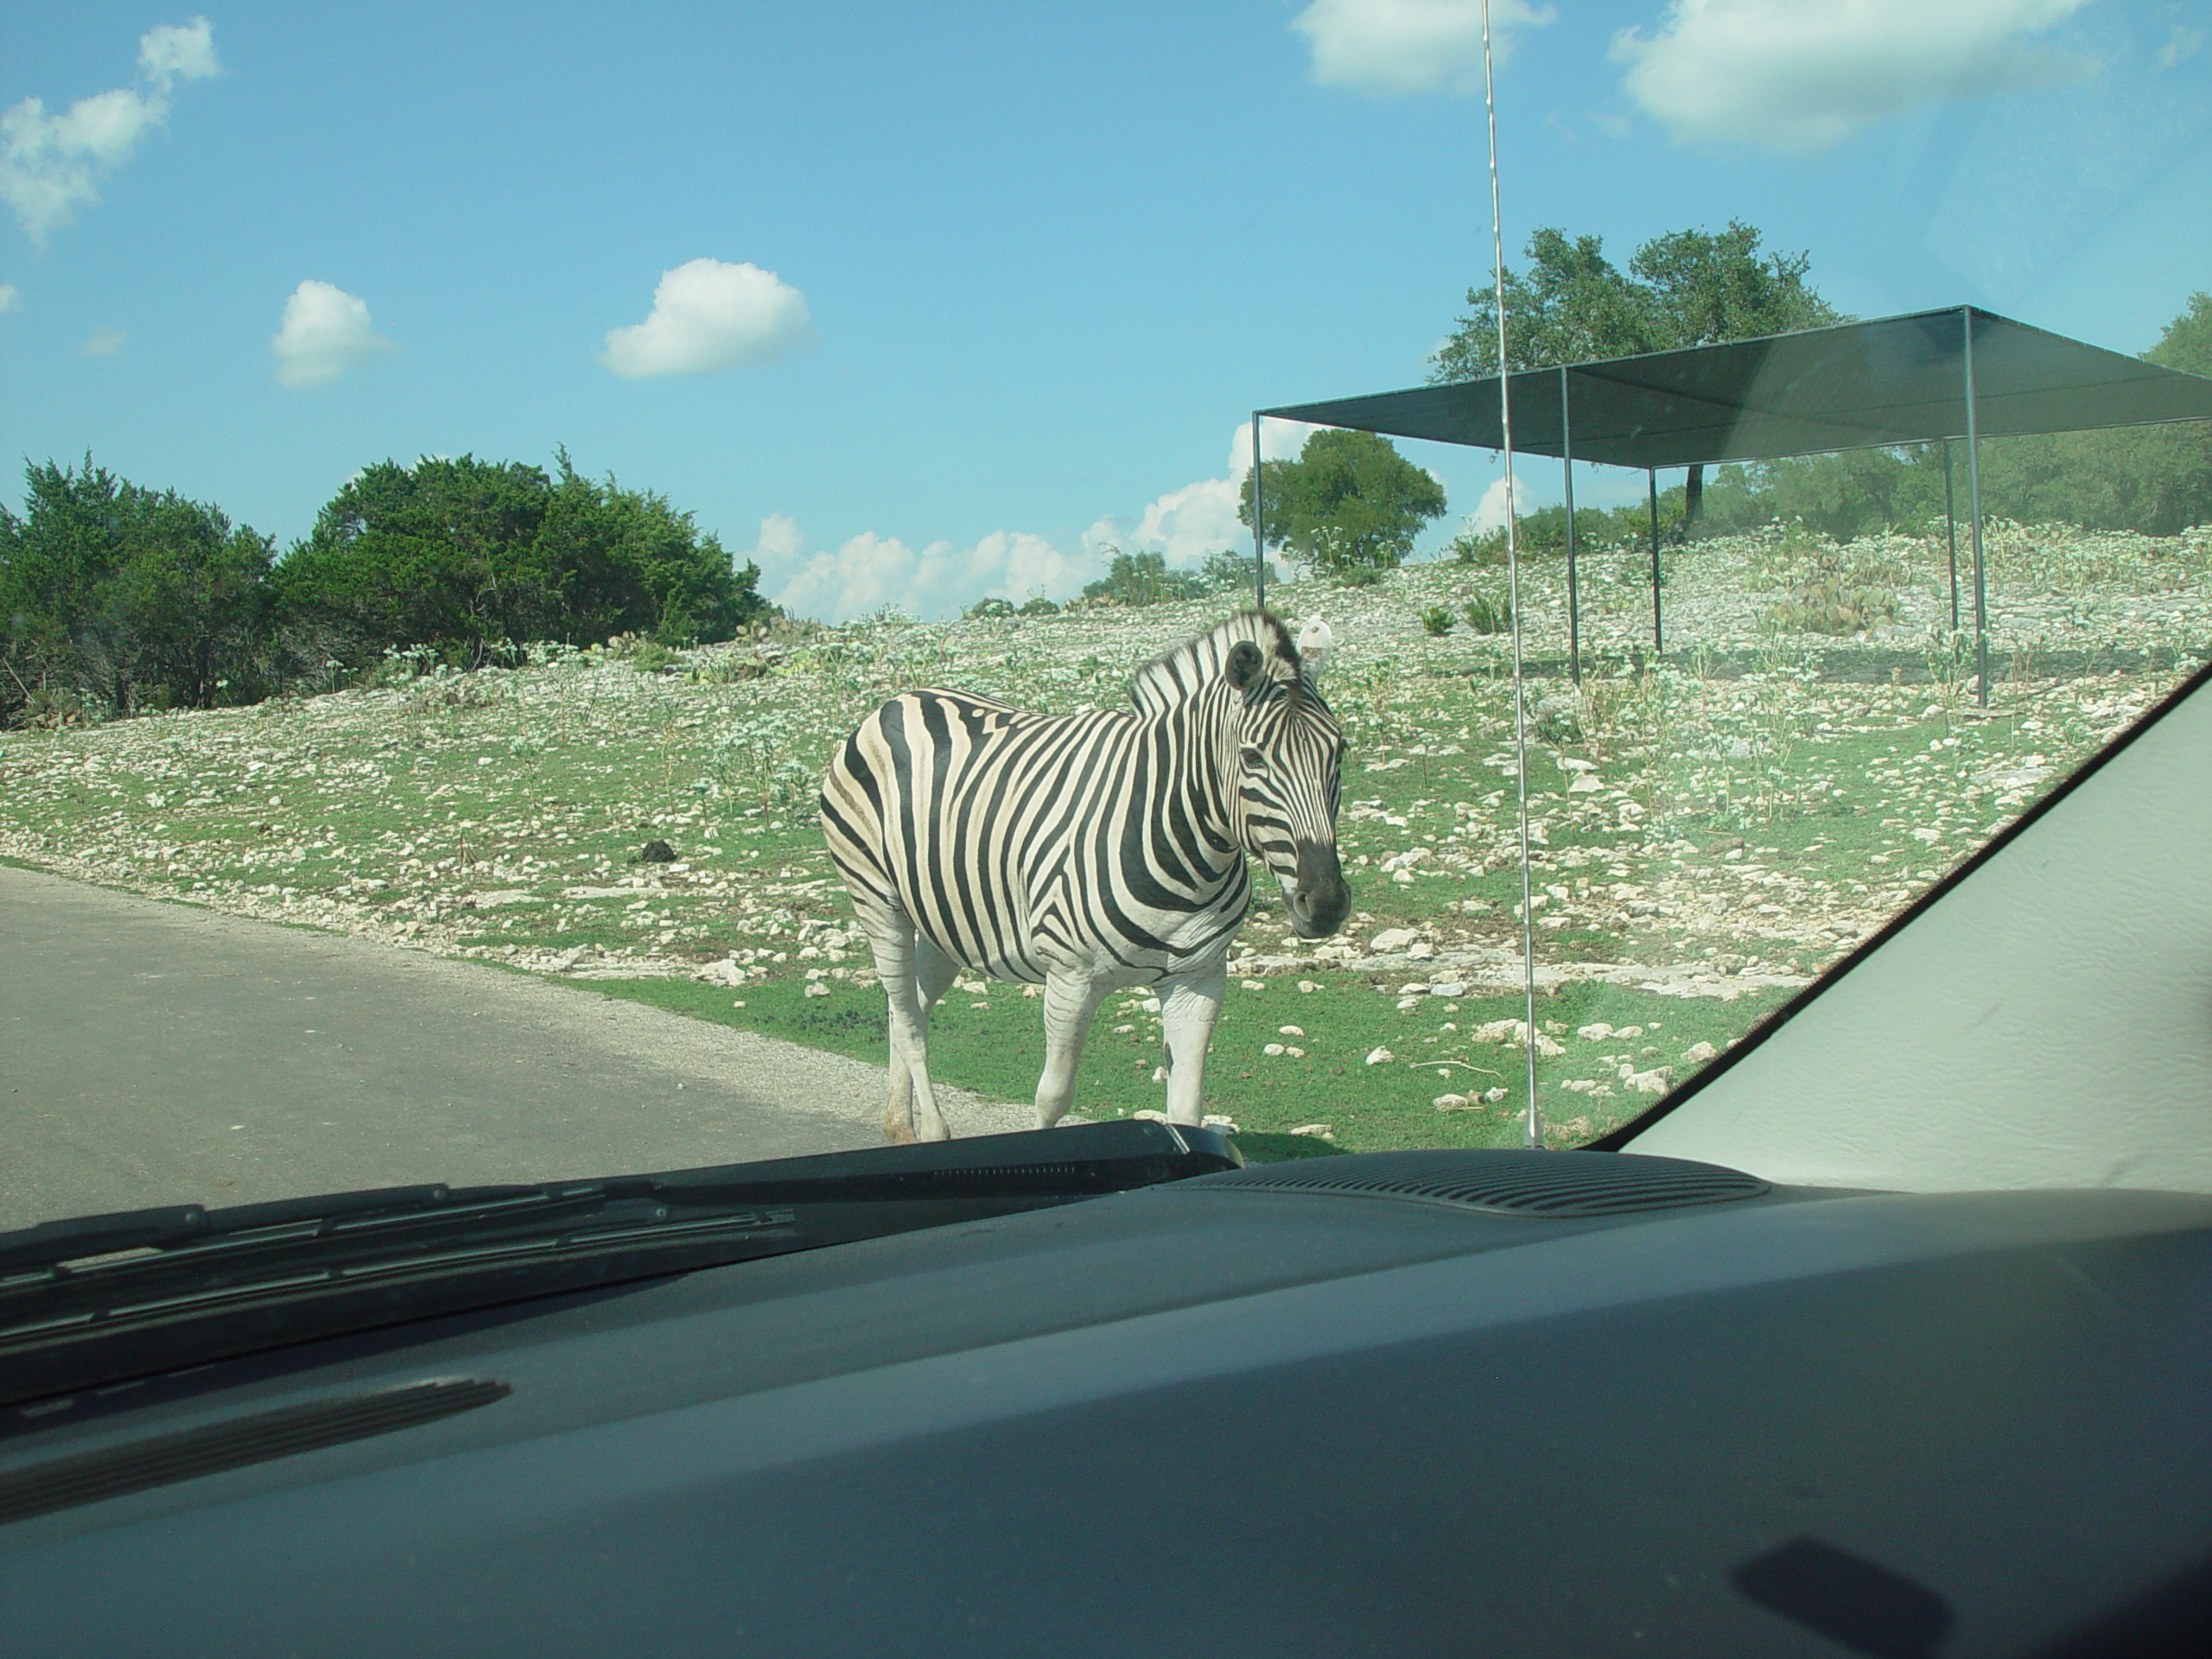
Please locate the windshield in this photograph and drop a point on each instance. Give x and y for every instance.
(481, 473)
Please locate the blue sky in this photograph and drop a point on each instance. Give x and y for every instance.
(919, 302)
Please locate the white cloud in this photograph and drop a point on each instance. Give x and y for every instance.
(8, 298)
(707, 315)
(103, 342)
(1408, 45)
(1786, 75)
(50, 164)
(2182, 44)
(173, 52)
(870, 571)
(325, 332)
(1489, 512)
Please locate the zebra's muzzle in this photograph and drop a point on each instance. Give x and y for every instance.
(1318, 900)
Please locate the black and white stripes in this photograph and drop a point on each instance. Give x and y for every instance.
(1081, 852)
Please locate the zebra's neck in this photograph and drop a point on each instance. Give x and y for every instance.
(1199, 735)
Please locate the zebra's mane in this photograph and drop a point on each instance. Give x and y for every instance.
(1170, 679)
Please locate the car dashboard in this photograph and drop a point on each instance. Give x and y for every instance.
(1388, 1403)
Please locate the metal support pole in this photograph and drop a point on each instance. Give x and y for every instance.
(1259, 541)
(1951, 535)
(1973, 506)
(1532, 1128)
(1567, 473)
(1658, 634)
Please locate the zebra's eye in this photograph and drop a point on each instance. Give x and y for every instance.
(1254, 760)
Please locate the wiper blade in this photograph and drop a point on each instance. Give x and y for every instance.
(167, 1226)
(71, 1292)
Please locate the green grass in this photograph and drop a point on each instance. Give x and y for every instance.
(997, 1051)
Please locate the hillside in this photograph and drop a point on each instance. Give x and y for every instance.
(1710, 827)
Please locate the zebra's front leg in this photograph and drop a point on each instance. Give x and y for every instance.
(1189, 1005)
(902, 962)
(1069, 1002)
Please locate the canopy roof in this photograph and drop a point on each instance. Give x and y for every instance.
(1856, 385)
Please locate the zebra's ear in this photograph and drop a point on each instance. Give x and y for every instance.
(1315, 641)
(1244, 664)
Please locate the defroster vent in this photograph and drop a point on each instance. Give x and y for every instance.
(1536, 1184)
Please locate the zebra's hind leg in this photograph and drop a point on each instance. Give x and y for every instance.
(934, 972)
(910, 1097)
(1189, 1004)
(1069, 1001)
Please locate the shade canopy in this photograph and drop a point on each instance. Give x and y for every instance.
(1857, 385)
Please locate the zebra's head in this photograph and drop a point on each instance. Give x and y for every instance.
(1287, 769)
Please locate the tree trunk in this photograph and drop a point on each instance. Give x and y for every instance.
(1693, 495)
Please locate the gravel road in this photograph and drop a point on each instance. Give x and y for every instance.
(159, 1053)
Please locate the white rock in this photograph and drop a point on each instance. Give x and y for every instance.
(1450, 1102)
(1380, 1057)
(1255, 984)
(1319, 1131)
(1448, 987)
(1150, 1115)
(1272, 1050)
(1307, 987)
(1293, 1051)
(1698, 1053)
(1414, 988)
(1216, 1122)
(1491, 1096)
(1391, 939)
(1420, 950)
(1596, 1033)
(817, 989)
(1657, 1081)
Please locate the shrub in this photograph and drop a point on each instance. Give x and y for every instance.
(1828, 589)
(1488, 615)
(983, 609)
(1038, 605)
(1358, 576)
(1437, 621)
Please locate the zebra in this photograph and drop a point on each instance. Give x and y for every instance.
(1084, 852)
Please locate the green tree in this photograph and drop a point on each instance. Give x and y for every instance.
(1686, 288)
(1141, 578)
(124, 598)
(462, 555)
(1349, 501)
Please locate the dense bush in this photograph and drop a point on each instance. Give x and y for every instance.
(464, 555)
(116, 598)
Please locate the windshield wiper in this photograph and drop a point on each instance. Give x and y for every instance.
(94, 1298)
